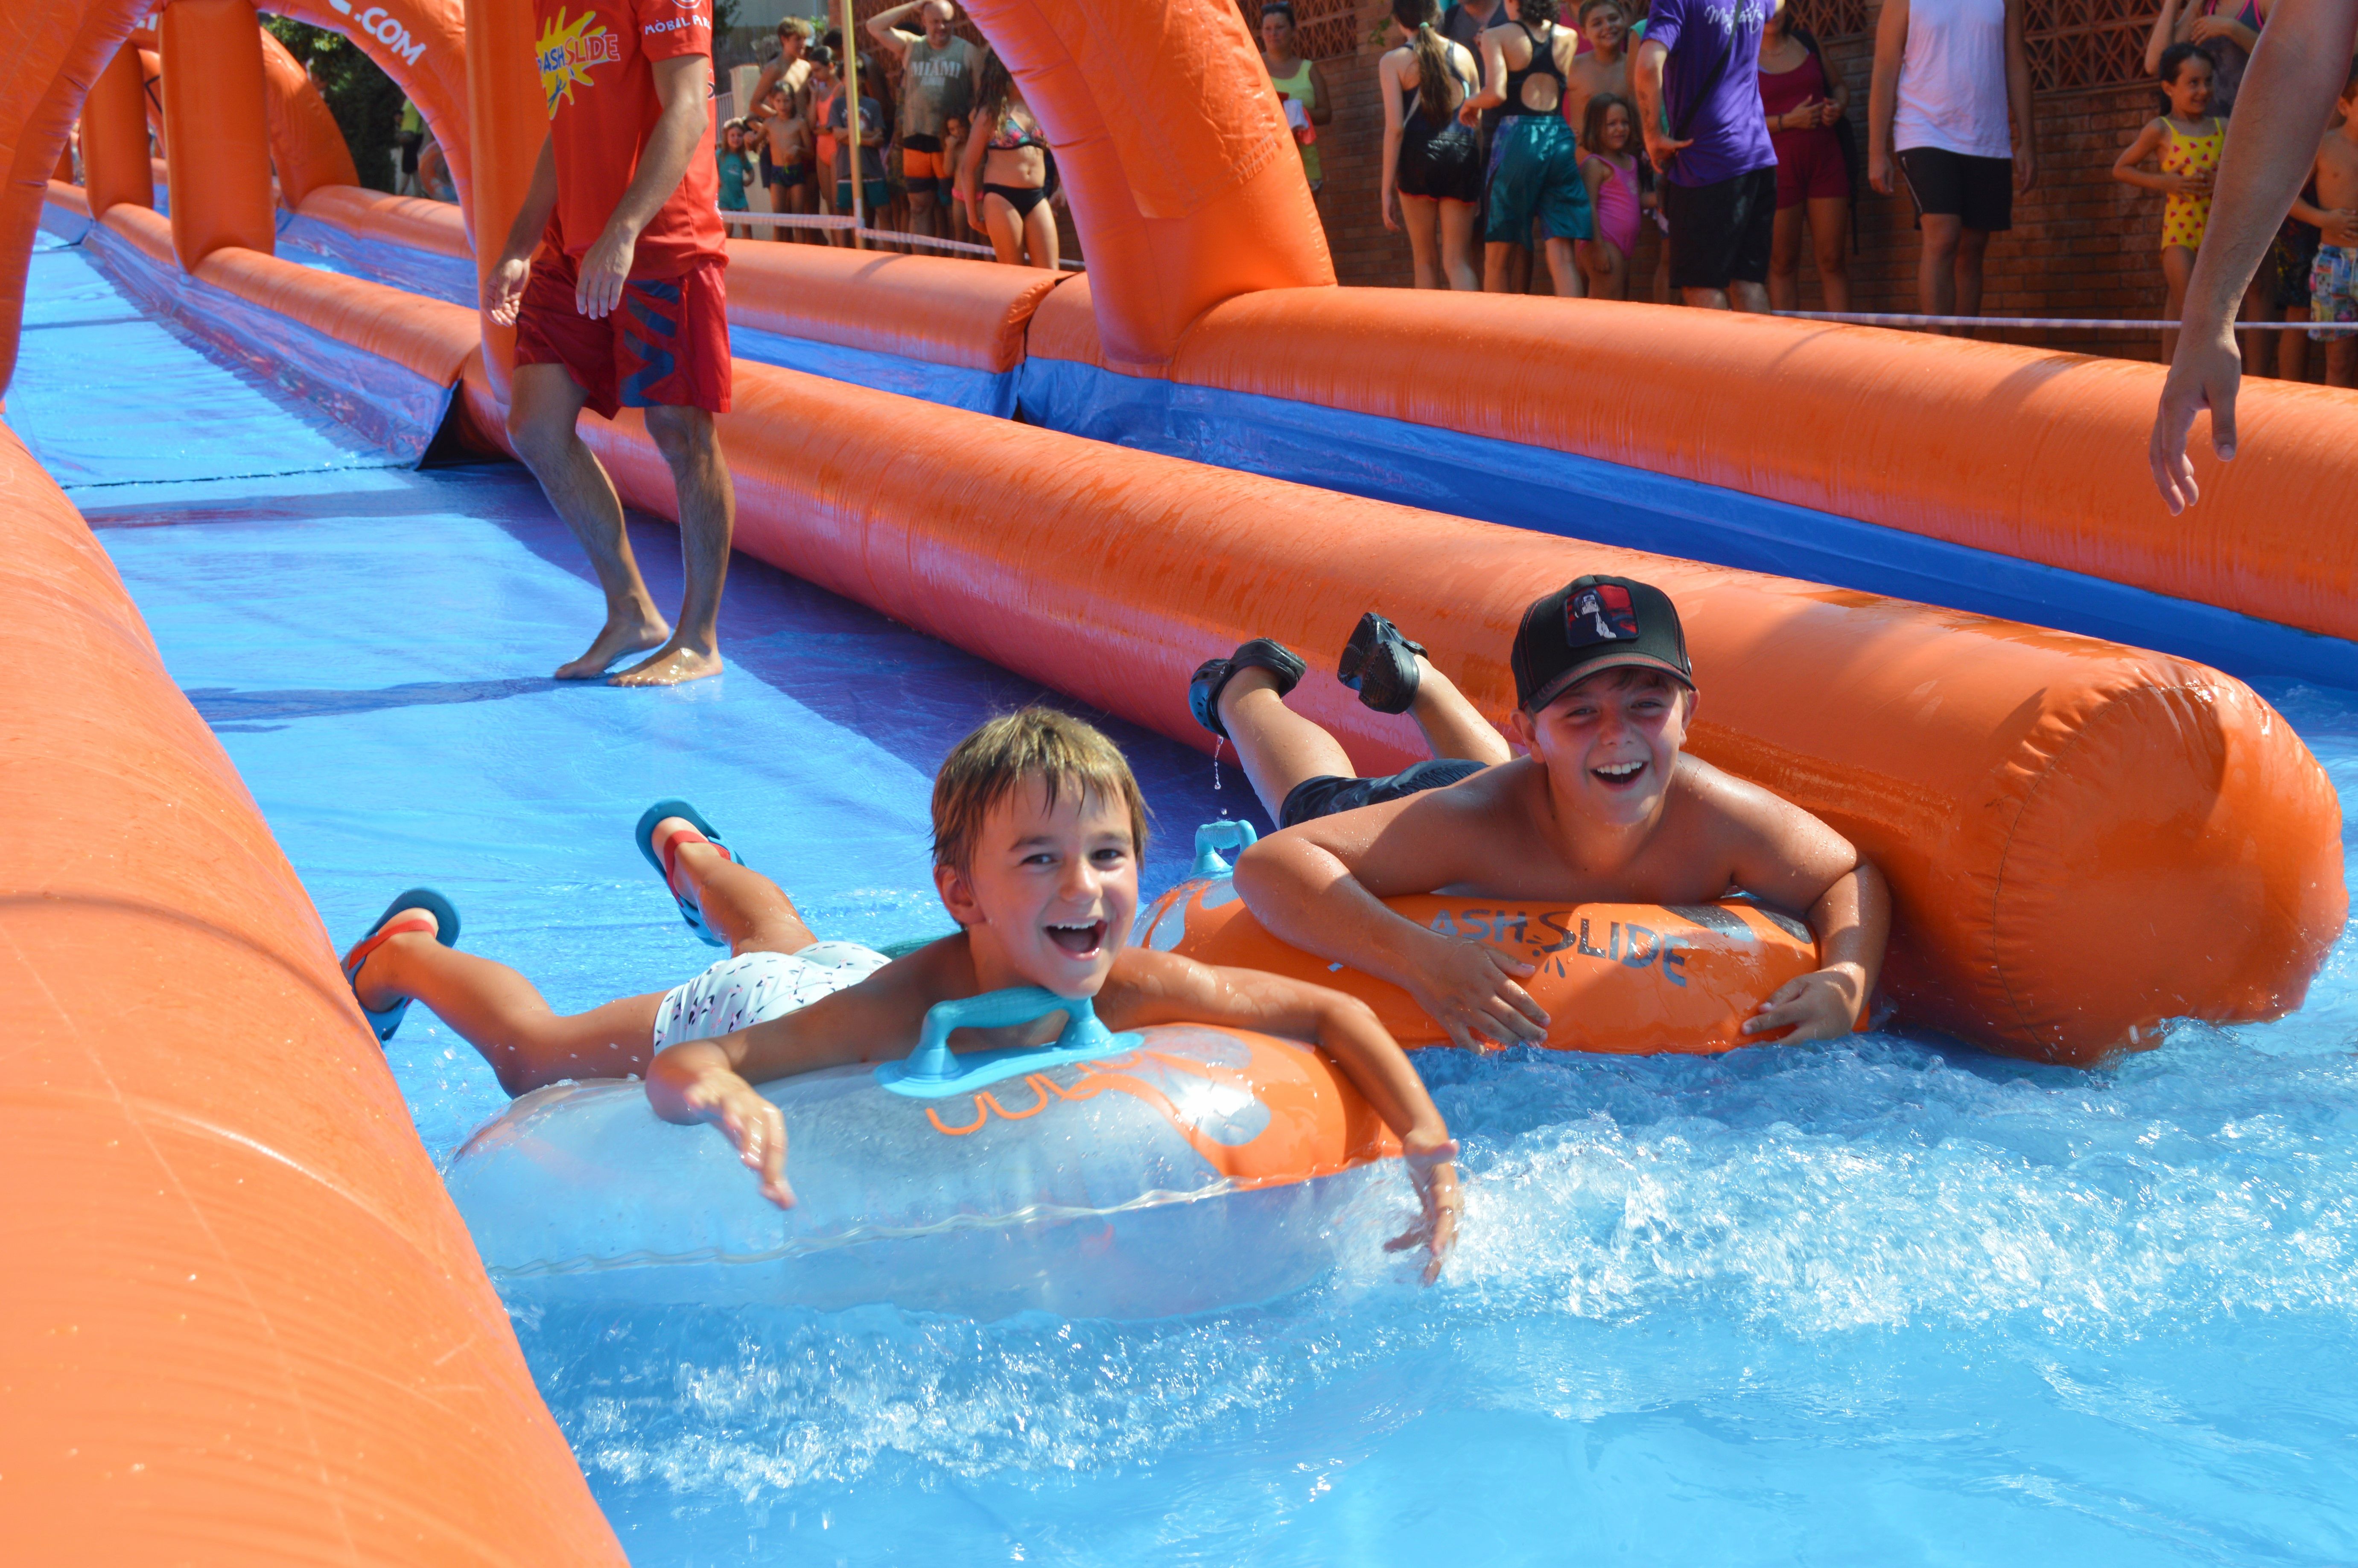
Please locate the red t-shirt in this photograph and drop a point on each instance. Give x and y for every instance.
(596, 68)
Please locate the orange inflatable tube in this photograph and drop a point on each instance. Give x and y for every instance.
(2034, 798)
(307, 147)
(254, 1329)
(213, 100)
(115, 166)
(1613, 977)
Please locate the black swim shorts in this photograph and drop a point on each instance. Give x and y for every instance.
(1721, 232)
(1329, 793)
(1977, 192)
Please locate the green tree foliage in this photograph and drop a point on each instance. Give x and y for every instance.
(363, 99)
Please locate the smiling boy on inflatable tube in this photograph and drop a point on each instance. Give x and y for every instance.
(1606, 808)
(1038, 825)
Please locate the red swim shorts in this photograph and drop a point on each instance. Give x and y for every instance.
(1809, 165)
(667, 342)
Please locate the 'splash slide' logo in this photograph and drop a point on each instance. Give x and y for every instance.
(567, 52)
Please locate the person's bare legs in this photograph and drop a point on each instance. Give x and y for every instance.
(2292, 348)
(1419, 217)
(1040, 240)
(1453, 727)
(528, 1043)
(1457, 245)
(1748, 296)
(744, 908)
(545, 404)
(499, 1013)
(1562, 274)
(1830, 243)
(708, 515)
(1499, 267)
(1704, 298)
(1973, 246)
(1936, 264)
(1785, 259)
(1278, 746)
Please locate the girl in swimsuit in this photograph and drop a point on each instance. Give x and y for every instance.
(2189, 139)
(1616, 192)
(1432, 161)
(1535, 158)
(824, 89)
(1003, 176)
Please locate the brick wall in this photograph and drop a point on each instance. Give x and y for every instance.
(2082, 243)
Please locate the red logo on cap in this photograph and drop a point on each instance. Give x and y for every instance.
(1600, 614)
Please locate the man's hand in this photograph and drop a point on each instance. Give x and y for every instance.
(597, 288)
(2025, 168)
(1878, 171)
(504, 289)
(751, 1124)
(1660, 150)
(1431, 1168)
(1469, 989)
(1820, 1005)
(2203, 375)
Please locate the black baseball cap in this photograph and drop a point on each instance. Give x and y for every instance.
(1594, 624)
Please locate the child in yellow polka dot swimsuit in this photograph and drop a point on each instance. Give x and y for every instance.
(2189, 141)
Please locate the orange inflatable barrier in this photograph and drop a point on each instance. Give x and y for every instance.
(1615, 978)
(307, 147)
(243, 1322)
(969, 314)
(413, 221)
(2033, 796)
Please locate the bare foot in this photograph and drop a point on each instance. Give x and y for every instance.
(375, 995)
(674, 663)
(635, 634)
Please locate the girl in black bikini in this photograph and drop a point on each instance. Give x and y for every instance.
(1004, 176)
(1430, 159)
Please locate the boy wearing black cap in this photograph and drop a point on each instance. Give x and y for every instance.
(1606, 807)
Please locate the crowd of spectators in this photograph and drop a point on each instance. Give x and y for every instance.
(945, 148)
(1560, 136)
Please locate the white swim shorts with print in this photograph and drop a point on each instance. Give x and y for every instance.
(754, 988)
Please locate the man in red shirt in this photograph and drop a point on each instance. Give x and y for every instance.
(613, 277)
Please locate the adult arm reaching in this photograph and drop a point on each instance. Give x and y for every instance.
(2287, 98)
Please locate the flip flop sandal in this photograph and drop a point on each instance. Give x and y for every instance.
(446, 931)
(1212, 678)
(665, 860)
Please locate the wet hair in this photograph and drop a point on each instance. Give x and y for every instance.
(2173, 60)
(1438, 90)
(1592, 124)
(1035, 743)
(1528, 11)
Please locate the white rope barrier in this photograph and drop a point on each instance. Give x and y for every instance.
(2066, 323)
(842, 222)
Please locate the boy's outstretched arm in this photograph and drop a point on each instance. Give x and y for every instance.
(1321, 886)
(1149, 987)
(1789, 858)
(712, 1080)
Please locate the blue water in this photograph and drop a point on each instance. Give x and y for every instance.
(1885, 1302)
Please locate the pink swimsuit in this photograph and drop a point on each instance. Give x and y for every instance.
(1616, 203)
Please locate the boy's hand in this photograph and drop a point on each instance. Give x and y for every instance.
(754, 1126)
(1431, 1166)
(1820, 1005)
(1469, 989)
(2344, 228)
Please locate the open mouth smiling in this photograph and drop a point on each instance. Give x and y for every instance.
(1619, 775)
(1080, 941)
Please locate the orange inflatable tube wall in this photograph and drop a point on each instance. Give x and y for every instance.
(1624, 978)
(256, 1328)
(212, 101)
(307, 147)
(2083, 839)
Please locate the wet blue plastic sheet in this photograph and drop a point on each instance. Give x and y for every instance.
(106, 395)
(1882, 1300)
(1608, 503)
(388, 405)
(315, 242)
